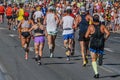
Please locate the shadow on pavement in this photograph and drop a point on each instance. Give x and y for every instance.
(113, 64)
(59, 63)
(111, 76)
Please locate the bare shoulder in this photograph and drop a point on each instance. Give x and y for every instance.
(103, 27)
(91, 26)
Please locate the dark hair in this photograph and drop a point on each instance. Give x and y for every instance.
(9, 5)
(96, 18)
(69, 11)
(40, 20)
(21, 5)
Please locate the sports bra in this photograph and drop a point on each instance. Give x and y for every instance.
(25, 24)
(38, 30)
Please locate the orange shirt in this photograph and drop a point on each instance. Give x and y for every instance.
(9, 11)
(2, 9)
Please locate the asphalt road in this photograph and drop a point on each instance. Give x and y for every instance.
(13, 66)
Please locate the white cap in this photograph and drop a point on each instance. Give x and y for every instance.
(82, 9)
(68, 7)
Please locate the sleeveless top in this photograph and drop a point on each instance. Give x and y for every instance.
(83, 25)
(25, 24)
(51, 22)
(67, 25)
(97, 39)
(20, 14)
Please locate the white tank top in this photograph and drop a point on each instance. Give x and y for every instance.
(67, 25)
(38, 14)
(51, 22)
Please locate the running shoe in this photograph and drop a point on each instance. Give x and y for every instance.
(85, 62)
(68, 52)
(96, 76)
(26, 56)
(36, 57)
(39, 62)
(68, 58)
(14, 28)
(51, 55)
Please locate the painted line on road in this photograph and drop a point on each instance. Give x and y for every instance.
(110, 69)
(12, 35)
(117, 37)
(3, 70)
(108, 49)
(3, 28)
(115, 40)
(106, 69)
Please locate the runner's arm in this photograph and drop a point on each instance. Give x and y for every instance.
(44, 23)
(107, 33)
(88, 32)
(19, 25)
(77, 21)
(57, 19)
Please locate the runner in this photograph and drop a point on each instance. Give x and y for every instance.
(37, 14)
(68, 32)
(20, 14)
(51, 20)
(25, 35)
(2, 10)
(39, 40)
(14, 16)
(9, 15)
(83, 22)
(97, 40)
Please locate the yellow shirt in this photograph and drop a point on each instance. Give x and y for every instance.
(20, 14)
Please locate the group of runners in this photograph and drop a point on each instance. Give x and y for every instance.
(43, 19)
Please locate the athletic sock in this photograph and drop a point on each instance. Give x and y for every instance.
(94, 65)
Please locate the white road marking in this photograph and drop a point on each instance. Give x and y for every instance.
(2, 28)
(115, 40)
(106, 69)
(12, 35)
(110, 69)
(117, 37)
(108, 49)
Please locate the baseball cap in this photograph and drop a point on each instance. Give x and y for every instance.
(82, 9)
(26, 14)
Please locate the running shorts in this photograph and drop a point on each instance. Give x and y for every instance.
(96, 51)
(25, 34)
(39, 39)
(52, 33)
(9, 17)
(2, 14)
(82, 37)
(68, 36)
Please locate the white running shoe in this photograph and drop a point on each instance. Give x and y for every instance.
(51, 55)
(68, 59)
